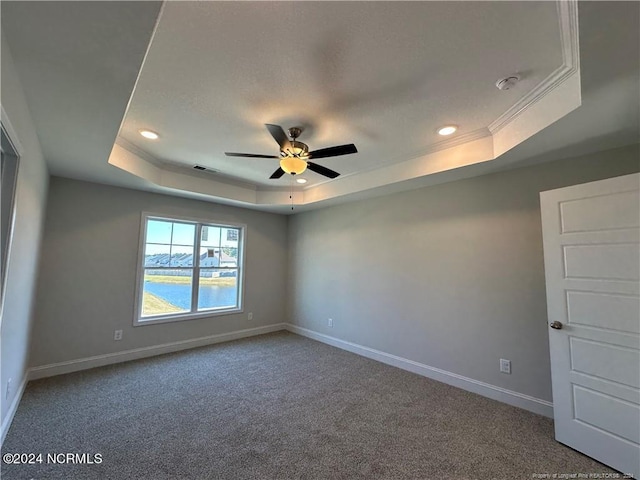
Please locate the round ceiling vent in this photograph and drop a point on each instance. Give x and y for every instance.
(507, 83)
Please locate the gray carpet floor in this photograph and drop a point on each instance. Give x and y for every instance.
(278, 406)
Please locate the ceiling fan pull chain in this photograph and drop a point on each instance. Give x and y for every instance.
(291, 190)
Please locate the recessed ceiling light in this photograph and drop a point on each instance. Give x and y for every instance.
(301, 180)
(447, 130)
(149, 134)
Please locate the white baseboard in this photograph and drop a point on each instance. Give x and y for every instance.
(6, 423)
(135, 354)
(535, 405)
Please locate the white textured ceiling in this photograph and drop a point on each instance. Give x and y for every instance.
(362, 72)
(382, 75)
(78, 63)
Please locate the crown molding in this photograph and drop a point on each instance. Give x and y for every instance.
(453, 142)
(133, 148)
(568, 22)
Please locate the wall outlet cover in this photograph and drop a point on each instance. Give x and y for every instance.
(505, 366)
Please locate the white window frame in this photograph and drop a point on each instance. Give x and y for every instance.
(138, 319)
(13, 147)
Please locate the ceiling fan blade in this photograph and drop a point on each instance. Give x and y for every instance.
(278, 173)
(278, 134)
(314, 167)
(334, 151)
(248, 155)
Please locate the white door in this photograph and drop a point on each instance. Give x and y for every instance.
(592, 266)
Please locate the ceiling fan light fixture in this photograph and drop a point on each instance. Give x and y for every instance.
(149, 134)
(294, 155)
(447, 130)
(293, 165)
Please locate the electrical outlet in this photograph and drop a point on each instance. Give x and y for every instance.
(330, 323)
(505, 366)
(250, 316)
(117, 335)
(8, 391)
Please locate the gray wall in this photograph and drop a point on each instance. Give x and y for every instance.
(87, 279)
(31, 192)
(450, 276)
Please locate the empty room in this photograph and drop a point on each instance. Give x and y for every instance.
(320, 240)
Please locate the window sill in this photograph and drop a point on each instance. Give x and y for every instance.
(185, 316)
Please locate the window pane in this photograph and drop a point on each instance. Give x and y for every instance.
(229, 237)
(210, 257)
(166, 291)
(219, 257)
(228, 257)
(210, 236)
(183, 233)
(217, 289)
(158, 231)
(181, 256)
(156, 255)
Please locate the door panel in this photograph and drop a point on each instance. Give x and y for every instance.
(607, 212)
(622, 421)
(602, 262)
(604, 310)
(591, 240)
(611, 362)
(618, 390)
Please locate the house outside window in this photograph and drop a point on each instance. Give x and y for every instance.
(188, 269)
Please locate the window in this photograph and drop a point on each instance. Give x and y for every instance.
(8, 177)
(188, 269)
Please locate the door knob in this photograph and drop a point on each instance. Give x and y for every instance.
(557, 325)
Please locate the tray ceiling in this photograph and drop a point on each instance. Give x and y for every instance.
(207, 76)
(382, 75)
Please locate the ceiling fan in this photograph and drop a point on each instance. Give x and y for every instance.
(294, 156)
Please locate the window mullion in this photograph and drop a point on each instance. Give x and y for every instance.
(195, 281)
(239, 267)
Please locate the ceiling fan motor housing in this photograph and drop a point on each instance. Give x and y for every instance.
(295, 149)
(295, 132)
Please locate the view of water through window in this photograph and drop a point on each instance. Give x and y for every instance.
(210, 296)
(178, 254)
